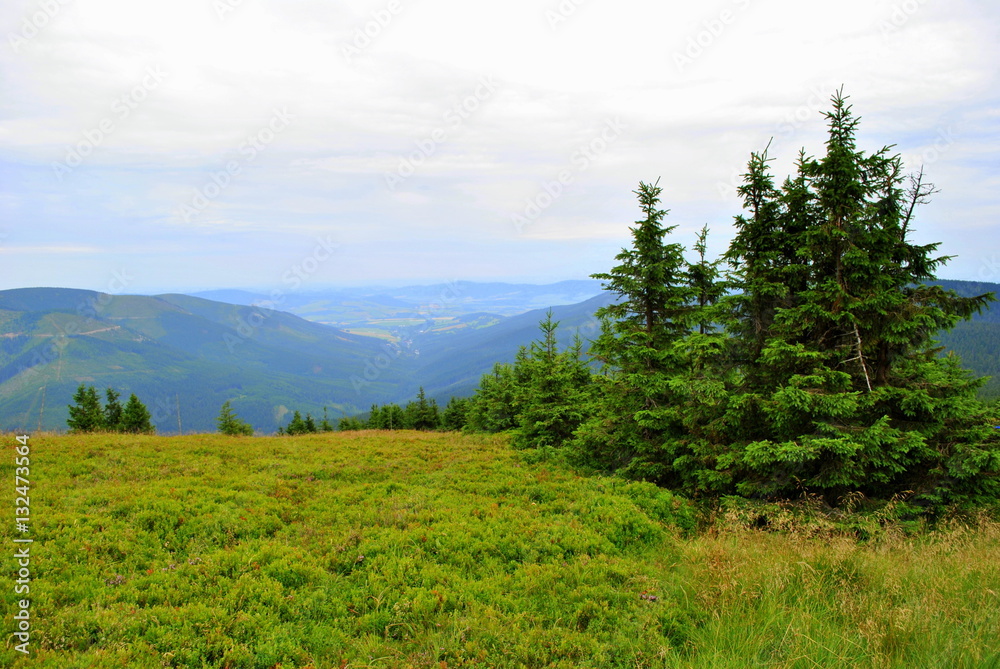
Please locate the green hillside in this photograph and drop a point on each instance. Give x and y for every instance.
(187, 355)
(452, 363)
(399, 550)
(977, 342)
(182, 355)
(971, 289)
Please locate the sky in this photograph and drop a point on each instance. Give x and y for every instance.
(295, 145)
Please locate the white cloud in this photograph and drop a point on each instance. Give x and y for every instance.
(758, 70)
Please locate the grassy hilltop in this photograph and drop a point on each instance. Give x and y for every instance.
(374, 549)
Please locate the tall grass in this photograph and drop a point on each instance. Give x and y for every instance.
(407, 549)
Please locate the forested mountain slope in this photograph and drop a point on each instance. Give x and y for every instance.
(184, 356)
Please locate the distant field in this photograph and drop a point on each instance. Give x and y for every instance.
(372, 332)
(385, 328)
(377, 549)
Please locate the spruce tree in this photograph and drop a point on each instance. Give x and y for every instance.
(296, 425)
(839, 387)
(325, 425)
(87, 414)
(422, 413)
(310, 424)
(767, 268)
(394, 418)
(453, 417)
(707, 287)
(375, 418)
(493, 407)
(654, 294)
(136, 418)
(230, 424)
(636, 423)
(349, 424)
(555, 393)
(112, 411)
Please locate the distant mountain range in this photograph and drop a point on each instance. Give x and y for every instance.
(397, 312)
(184, 356)
(345, 350)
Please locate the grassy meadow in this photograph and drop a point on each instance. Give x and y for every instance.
(406, 549)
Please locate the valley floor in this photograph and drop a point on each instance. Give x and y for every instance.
(406, 549)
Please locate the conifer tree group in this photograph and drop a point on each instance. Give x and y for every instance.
(542, 398)
(88, 415)
(308, 425)
(421, 413)
(810, 366)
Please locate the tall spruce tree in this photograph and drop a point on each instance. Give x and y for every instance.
(393, 417)
(136, 418)
(375, 421)
(112, 411)
(706, 285)
(422, 413)
(86, 415)
(654, 294)
(325, 425)
(297, 425)
(840, 387)
(541, 398)
(351, 423)
(637, 422)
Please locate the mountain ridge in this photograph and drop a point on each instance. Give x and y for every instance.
(184, 355)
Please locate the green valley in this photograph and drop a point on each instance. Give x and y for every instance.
(185, 356)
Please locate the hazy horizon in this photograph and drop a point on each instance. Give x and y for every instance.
(329, 288)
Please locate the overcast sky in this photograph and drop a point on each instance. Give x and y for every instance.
(297, 144)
